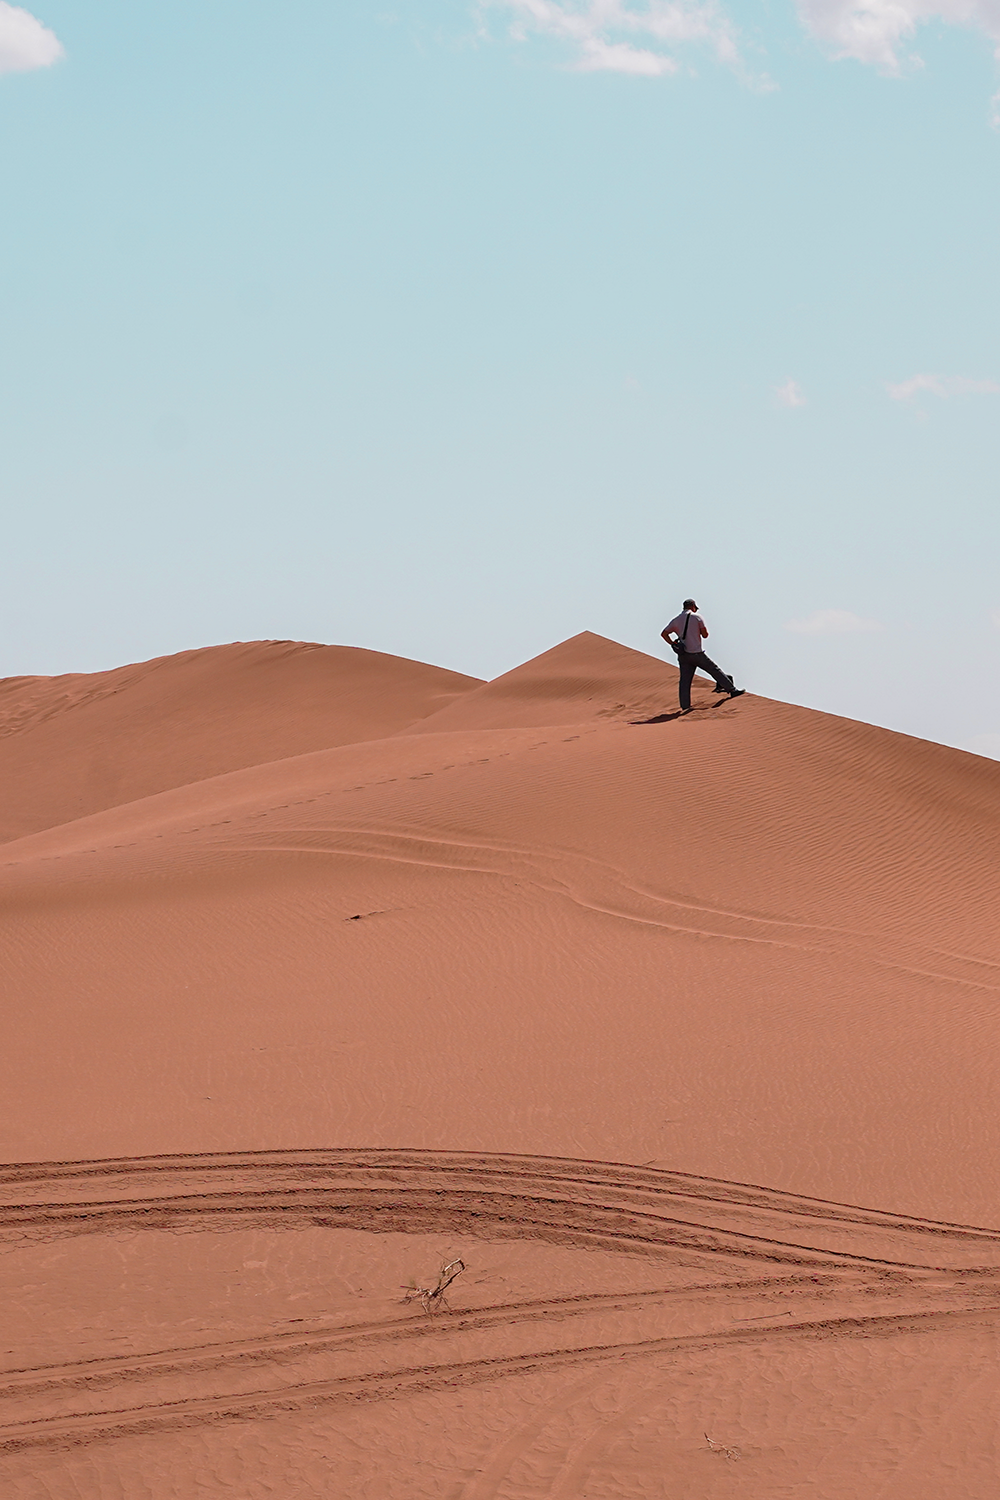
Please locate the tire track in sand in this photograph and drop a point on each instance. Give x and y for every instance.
(858, 1273)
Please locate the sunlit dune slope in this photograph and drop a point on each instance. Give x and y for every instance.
(73, 745)
(758, 943)
(535, 980)
(584, 679)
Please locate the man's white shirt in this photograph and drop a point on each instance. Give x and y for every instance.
(692, 637)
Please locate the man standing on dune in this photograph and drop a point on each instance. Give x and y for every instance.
(690, 630)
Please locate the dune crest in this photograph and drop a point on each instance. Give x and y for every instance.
(680, 1034)
(582, 679)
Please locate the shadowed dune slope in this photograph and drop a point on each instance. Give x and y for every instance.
(543, 981)
(73, 745)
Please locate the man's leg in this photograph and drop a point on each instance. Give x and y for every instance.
(687, 664)
(723, 683)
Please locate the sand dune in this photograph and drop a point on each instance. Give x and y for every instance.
(583, 680)
(72, 745)
(361, 966)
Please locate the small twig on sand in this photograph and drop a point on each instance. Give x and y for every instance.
(722, 1448)
(432, 1297)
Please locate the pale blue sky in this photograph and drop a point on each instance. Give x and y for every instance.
(453, 331)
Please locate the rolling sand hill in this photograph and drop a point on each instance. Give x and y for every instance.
(324, 970)
(75, 745)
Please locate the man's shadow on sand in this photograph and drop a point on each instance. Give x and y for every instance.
(679, 713)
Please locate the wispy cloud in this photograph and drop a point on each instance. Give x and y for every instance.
(624, 36)
(24, 42)
(943, 386)
(831, 622)
(790, 394)
(643, 37)
(877, 31)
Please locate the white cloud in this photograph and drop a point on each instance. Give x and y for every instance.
(620, 57)
(943, 386)
(641, 37)
(24, 42)
(790, 394)
(624, 36)
(875, 31)
(831, 622)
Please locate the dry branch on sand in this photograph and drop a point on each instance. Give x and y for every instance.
(432, 1297)
(722, 1448)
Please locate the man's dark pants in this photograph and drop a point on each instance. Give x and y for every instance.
(691, 662)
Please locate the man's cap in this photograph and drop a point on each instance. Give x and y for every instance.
(690, 604)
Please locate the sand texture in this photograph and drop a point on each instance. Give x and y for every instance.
(324, 970)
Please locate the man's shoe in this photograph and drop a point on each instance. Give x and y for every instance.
(719, 688)
(737, 692)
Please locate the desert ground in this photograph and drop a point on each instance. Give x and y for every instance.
(672, 1043)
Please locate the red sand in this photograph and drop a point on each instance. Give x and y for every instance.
(383, 966)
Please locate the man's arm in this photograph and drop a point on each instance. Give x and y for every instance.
(666, 633)
(704, 630)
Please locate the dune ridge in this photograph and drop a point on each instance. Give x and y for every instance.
(549, 977)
